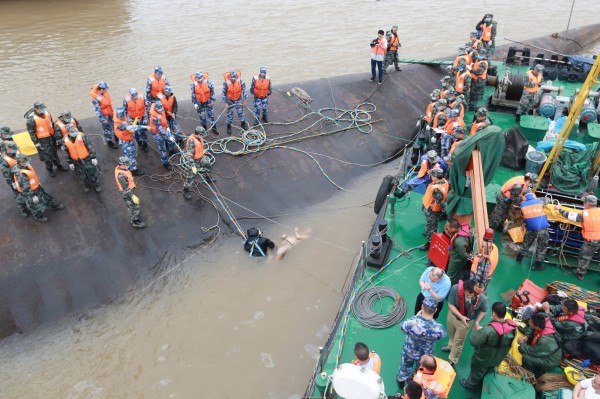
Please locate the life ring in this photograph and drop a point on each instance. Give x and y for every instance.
(384, 189)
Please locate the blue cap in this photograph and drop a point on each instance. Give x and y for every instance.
(454, 113)
(430, 303)
(120, 111)
(168, 90)
(158, 70)
(233, 75)
(263, 69)
(102, 85)
(133, 91)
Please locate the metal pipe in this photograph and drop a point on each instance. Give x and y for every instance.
(540, 48)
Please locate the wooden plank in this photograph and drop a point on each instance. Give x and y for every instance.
(479, 199)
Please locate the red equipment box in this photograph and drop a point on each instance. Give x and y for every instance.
(528, 293)
(439, 253)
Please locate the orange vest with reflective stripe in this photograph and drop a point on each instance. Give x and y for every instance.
(439, 382)
(167, 102)
(493, 261)
(393, 43)
(77, 149)
(591, 224)
(510, 183)
(43, 126)
(532, 79)
(34, 181)
(198, 146)
(475, 127)
(163, 119)
(476, 66)
(129, 176)
(261, 86)
(486, 34)
(429, 111)
(135, 108)
(124, 135)
(157, 85)
(63, 128)
(428, 200)
(532, 211)
(374, 360)
(460, 82)
(104, 99)
(10, 161)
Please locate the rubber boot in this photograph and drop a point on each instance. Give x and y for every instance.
(538, 266)
(41, 219)
(60, 167)
(137, 172)
(229, 128)
(215, 131)
(400, 194)
(256, 122)
(264, 118)
(518, 118)
(86, 189)
(244, 125)
(58, 207)
(25, 212)
(49, 168)
(204, 126)
(144, 146)
(168, 166)
(519, 258)
(186, 193)
(98, 188)
(138, 224)
(112, 145)
(209, 178)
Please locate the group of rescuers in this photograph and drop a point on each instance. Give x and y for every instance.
(465, 281)
(124, 127)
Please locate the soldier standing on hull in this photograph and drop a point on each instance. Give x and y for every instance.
(82, 158)
(169, 103)
(136, 107)
(155, 84)
(203, 98)
(261, 88)
(41, 130)
(126, 185)
(234, 94)
(6, 133)
(28, 185)
(125, 133)
(478, 79)
(391, 57)
(590, 222)
(104, 110)
(531, 87)
(487, 26)
(8, 159)
(161, 133)
(197, 161)
(60, 126)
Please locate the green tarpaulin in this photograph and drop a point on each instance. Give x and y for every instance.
(571, 172)
(490, 142)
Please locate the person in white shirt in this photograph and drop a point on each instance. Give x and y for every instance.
(588, 389)
(378, 51)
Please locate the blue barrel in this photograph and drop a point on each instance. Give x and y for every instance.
(534, 161)
(547, 107)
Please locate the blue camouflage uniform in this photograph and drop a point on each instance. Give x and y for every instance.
(261, 102)
(128, 147)
(163, 138)
(421, 336)
(205, 109)
(237, 104)
(140, 134)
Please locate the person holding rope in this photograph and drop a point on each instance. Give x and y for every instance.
(234, 94)
(203, 98)
(196, 160)
(256, 244)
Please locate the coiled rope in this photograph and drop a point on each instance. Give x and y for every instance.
(592, 298)
(364, 307)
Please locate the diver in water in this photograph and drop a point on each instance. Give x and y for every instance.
(256, 244)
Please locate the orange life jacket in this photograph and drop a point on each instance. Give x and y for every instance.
(460, 82)
(454, 145)
(63, 128)
(157, 85)
(462, 109)
(43, 126)
(135, 108)
(477, 44)
(77, 149)
(393, 43)
(449, 128)
(493, 261)
(475, 127)
(443, 93)
(374, 360)
(591, 224)
(166, 102)
(476, 66)
(440, 381)
(261, 86)
(163, 119)
(198, 146)
(378, 49)
(507, 187)
(124, 135)
(486, 34)
(234, 89)
(428, 112)
(428, 200)
(531, 78)
(201, 91)
(104, 99)
(129, 176)
(34, 181)
(10, 161)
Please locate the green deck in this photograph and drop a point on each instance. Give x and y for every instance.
(406, 223)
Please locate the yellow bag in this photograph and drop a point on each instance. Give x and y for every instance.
(517, 234)
(25, 144)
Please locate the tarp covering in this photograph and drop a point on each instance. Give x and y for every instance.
(516, 149)
(571, 172)
(555, 216)
(490, 142)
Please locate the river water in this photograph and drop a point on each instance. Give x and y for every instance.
(221, 324)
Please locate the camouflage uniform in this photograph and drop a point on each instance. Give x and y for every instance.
(107, 123)
(46, 146)
(391, 56)
(8, 176)
(162, 138)
(467, 85)
(202, 165)
(477, 85)
(261, 102)
(526, 102)
(421, 335)
(541, 245)
(27, 196)
(588, 249)
(141, 136)
(432, 218)
(205, 110)
(237, 104)
(503, 204)
(128, 196)
(490, 46)
(85, 168)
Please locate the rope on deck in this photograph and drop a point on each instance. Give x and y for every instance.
(592, 298)
(365, 313)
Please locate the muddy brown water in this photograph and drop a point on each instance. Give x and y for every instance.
(220, 324)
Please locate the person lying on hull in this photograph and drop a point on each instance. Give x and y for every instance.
(287, 242)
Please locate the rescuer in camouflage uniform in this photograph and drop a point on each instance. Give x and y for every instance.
(6, 133)
(195, 166)
(432, 218)
(87, 168)
(504, 203)
(46, 146)
(36, 199)
(238, 104)
(589, 247)
(391, 56)
(488, 20)
(528, 98)
(536, 231)
(123, 177)
(261, 102)
(477, 83)
(8, 153)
